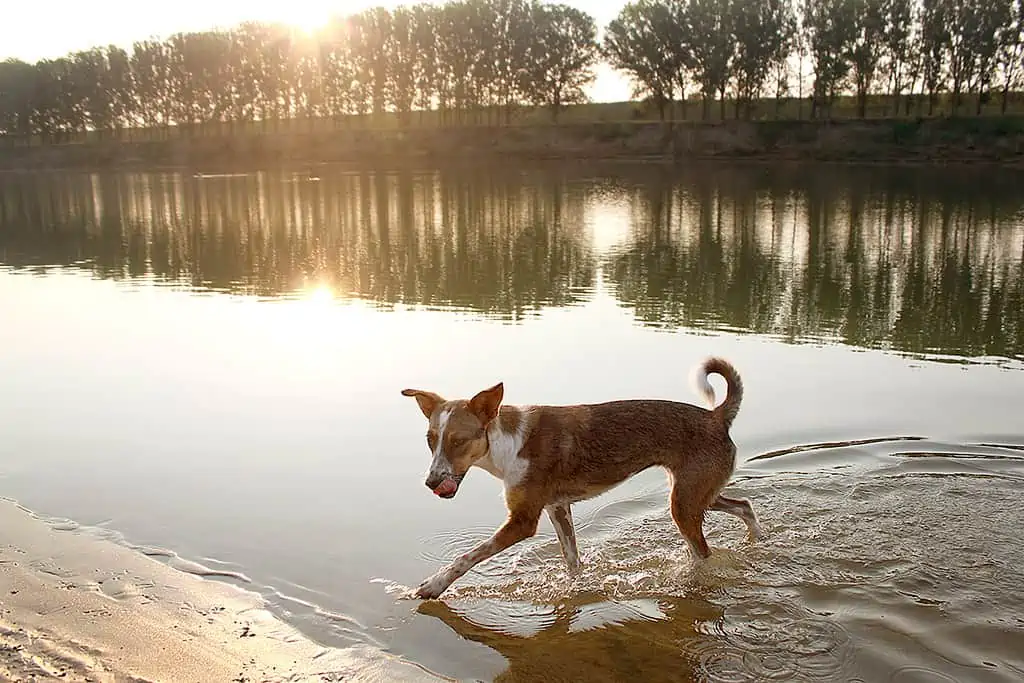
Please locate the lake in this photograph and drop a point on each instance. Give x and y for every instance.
(209, 366)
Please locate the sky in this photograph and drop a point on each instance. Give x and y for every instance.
(27, 34)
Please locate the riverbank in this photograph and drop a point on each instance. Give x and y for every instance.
(938, 140)
(80, 608)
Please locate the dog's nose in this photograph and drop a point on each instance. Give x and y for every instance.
(433, 481)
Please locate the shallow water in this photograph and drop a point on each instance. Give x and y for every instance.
(211, 367)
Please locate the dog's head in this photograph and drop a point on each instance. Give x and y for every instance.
(456, 434)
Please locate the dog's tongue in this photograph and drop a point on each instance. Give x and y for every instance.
(446, 487)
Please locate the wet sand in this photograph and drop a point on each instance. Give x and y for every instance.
(74, 607)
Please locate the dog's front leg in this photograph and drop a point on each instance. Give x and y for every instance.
(518, 527)
(561, 519)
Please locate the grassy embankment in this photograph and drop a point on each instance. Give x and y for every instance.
(596, 131)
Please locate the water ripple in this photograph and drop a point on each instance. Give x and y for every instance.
(899, 545)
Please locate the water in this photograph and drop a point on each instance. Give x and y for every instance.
(211, 367)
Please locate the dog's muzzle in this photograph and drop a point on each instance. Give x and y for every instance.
(444, 485)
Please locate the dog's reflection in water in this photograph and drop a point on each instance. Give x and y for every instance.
(591, 639)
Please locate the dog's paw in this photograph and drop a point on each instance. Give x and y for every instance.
(432, 588)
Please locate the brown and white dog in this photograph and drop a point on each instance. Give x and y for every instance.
(550, 457)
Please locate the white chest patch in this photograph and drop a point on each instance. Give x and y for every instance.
(503, 461)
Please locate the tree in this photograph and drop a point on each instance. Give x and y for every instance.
(1010, 57)
(272, 51)
(914, 65)
(868, 47)
(87, 88)
(481, 28)
(308, 88)
(476, 60)
(801, 46)
(17, 81)
(150, 75)
(200, 76)
(120, 87)
(455, 56)
(897, 45)
(995, 21)
(961, 27)
(337, 70)
(647, 41)
(763, 31)
(561, 57)
(680, 39)
(934, 37)
(250, 76)
(510, 55)
(55, 111)
(713, 48)
(400, 47)
(832, 28)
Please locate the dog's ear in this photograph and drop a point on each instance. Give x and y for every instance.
(427, 400)
(485, 404)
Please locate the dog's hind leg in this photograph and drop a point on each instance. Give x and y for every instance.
(741, 508)
(689, 498)
(561, 518)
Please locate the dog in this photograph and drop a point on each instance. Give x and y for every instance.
(549, 457)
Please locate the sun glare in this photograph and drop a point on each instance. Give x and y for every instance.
(321, 294)
(309, 19)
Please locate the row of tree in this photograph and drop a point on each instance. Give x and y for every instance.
(465, 57)
(743, 50)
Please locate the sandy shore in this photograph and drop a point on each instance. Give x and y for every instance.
(74, 607)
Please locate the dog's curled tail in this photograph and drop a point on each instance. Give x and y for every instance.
(734, 392)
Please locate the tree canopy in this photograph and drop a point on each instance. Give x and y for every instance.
(482, 60)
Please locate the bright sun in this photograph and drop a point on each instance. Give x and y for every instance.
(309, 18)
(321, 294)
